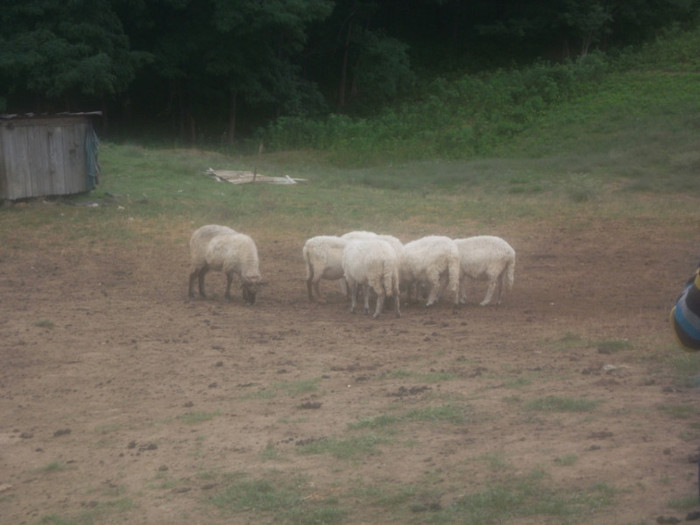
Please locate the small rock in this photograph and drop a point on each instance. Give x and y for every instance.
(62, 432)
(693, 516)
(667, 520)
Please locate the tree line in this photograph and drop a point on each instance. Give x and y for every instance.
(220, 69)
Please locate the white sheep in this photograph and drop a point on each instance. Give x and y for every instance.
(372, 264)
(323, 256)
(358, 235)
(423, 263)
(215, 247)
(363, 235)
(489, 258)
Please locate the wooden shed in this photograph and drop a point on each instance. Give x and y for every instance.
(47, 155)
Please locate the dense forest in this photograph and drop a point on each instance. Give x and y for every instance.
(218, 70)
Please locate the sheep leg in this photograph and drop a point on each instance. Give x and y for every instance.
(202, 274)
(499, 292)
(352, 287)
(433, 295)
(365, 288)
(227, 295)
(309, 288)
(489, 293)
(434, 283)
(380, 304)
(190, 288)
(463, 289)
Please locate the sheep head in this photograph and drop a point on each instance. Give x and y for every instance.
(250, 286)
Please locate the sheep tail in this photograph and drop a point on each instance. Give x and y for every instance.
(453, 269)
(510, 274)
(309, 268)
(388, 279)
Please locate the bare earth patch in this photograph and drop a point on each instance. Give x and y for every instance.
(121, 399)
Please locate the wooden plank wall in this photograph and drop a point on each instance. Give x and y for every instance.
(42, 156)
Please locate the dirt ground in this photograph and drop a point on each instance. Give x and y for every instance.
(102, 360)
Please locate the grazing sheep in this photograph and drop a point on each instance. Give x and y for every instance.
(395, 243)
(489, 258)
(323, 256)
(358, 235)
(425, 260)
(215, 247)
(372, 264)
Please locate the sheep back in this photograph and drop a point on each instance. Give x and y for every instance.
(323, 256)
(486, 257)
(426, 259)
(372, 263)
(199, 241)
(234, 253)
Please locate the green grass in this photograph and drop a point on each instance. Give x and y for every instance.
(99, 513)
(686, 367)
(445, 413)
(54, 466)
(526, 496)
(425, 377)
(350, 448)
(280, 499)
(561, 404)
(681, 411)
(295, 388)
(192, 418)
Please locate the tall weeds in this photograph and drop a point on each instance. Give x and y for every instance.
(457, 118)
(473, 115)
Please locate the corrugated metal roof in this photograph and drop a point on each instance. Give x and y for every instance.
(10, 116)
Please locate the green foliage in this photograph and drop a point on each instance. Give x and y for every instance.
(58, 50)
(449, 119)
(542, 109)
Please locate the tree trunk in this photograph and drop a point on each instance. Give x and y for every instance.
(344, 66)
(231, 131)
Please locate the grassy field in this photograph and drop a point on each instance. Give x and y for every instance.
(623, 156)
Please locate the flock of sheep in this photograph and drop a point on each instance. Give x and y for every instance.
(380, 265)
